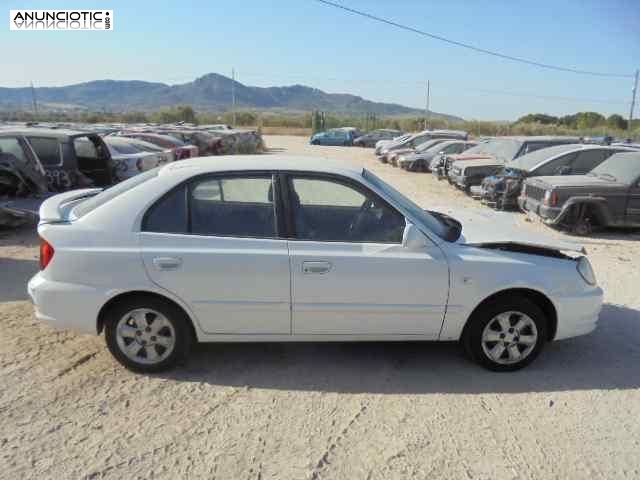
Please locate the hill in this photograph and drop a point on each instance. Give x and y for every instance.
(211, 92)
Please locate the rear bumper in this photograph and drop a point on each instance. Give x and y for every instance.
(66, 305)
(578, 314)
(550, 215)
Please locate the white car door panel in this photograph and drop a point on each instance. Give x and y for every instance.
(233, 285)
(367, 289)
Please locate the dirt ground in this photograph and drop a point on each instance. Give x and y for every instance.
(330, 411)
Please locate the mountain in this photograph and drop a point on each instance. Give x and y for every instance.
(211, 92)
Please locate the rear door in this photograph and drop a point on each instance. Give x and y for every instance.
(215, 243)
(350, 274)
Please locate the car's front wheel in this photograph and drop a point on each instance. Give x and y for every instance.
(147, 334)
(506, 334)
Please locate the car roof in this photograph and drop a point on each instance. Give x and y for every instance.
(240, 163)
(46, 132)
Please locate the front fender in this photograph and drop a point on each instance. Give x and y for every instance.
(600, 203)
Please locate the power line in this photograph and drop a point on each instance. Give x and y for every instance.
(471, 47)
(420, 85)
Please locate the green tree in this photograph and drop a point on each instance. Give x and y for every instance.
(617, 121)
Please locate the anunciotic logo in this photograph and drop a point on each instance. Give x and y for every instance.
(61, 19)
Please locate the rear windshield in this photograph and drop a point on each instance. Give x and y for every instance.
(123, 148)
(110, 193)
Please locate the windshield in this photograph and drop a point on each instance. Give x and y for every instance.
(504, 148)
(621, 167)
(428, 220)
(427, 145)
(530, 160)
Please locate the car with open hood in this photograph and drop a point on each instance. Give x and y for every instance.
(288, 248)
(502, 190)
(608, 196)
(472, 166)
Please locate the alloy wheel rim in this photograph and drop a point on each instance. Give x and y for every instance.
(509, 337)
(145, 336)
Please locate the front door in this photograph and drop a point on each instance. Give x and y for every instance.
(350, 274)
(633, 205)
(214, 243)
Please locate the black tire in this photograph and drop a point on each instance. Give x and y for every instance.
(183, 341)
(472, 336)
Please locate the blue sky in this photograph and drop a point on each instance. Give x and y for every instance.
(283, 42)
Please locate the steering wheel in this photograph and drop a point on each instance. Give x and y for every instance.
(358, 220)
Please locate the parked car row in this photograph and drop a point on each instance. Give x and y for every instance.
(568, 181)
(37, 160)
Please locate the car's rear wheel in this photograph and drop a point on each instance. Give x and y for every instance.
(147, 334)
(506, 334)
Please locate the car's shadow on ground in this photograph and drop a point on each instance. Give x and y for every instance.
(607, 359)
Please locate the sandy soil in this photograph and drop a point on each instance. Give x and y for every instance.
(331, 411)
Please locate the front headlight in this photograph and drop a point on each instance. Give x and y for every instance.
(585, 270)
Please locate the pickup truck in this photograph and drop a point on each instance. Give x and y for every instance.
(608, 196)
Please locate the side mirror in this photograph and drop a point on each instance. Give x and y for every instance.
(564, 170)
(412, 238)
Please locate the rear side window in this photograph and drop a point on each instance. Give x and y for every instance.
(169, 214)
(233, 206)
(47, 150)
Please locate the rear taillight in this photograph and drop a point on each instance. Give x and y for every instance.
(46, 253)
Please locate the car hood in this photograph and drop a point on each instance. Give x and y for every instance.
(486, 228)
(575, 181)
(462, 156)
(480, 162)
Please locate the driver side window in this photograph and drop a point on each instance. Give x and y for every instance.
(334, 211)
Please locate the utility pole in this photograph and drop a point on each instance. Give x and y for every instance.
(34, 101)
(633, 99)
(427, 113)
(233, 96)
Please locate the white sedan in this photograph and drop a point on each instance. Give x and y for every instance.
(282, 248)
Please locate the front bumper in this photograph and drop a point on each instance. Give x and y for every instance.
(578, 314)
(548, 214)
(66, 305)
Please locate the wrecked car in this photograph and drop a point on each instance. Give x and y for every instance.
(370, 139)
(416, 139)
(39, 161)
(70, 158)
(502, 190)
(420, 161)
(130, 159)
(472, 166)
(608, 196)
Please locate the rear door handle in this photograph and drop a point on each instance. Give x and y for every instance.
(315, 267)
(167, 263)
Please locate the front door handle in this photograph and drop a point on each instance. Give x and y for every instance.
(167, 263)
(315, 267)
